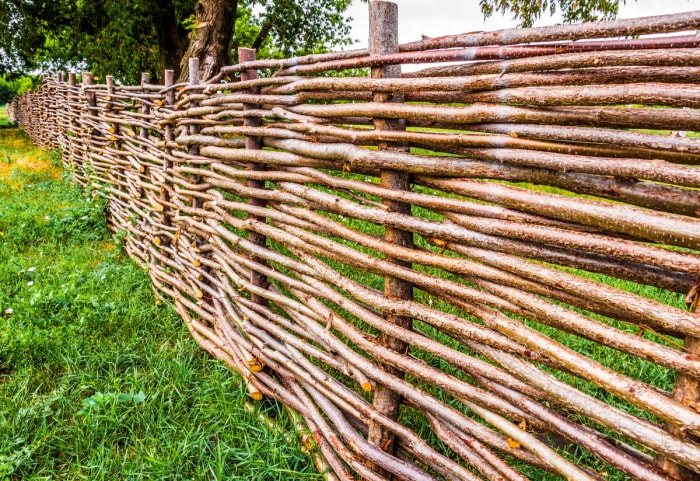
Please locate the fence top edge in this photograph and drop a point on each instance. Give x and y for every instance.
(604, 34)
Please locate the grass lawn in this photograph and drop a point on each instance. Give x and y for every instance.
(97, 381)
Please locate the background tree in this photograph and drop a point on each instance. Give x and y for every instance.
(24, 26)
(528, 11)
(276, 28)
(16, 86)
(127, 37)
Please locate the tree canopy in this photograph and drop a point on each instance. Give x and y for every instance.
(16, 86)
(528, 11)
(127, 37)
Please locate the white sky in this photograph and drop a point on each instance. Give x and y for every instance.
(436, 18)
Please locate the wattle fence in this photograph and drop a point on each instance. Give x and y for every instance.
(485, 270)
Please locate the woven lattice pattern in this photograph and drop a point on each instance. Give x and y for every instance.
(478, 270)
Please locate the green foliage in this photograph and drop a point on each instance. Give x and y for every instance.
(107, 37)
(293, 28)
(100, 402)
(126, 38)
(26, 26)
(528, 11)
(190, 23)
(96, 380)
(6, 92)
(11, 86)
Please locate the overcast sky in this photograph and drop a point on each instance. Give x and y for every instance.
(436, 18)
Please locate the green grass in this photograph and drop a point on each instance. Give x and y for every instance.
(97, 381)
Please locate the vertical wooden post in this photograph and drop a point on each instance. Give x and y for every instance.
(193, 129)
(61, 91)
(69, 151)
(197, 202)
(169, 77)
(59, 127)
(383, 38)
(88, 79)
(143, 133)
(90, 119)
(685, 391)
(145, 108)
(114, 127)
(254, 143)
(113, 130)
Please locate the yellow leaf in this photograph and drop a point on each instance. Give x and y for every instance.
(513, 444)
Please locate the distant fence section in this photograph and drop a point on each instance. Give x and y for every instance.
(485, 270)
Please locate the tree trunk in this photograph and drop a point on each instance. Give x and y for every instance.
(172, 39)
(264, 31)
(210, 41)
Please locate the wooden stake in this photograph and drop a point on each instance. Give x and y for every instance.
(169, 77)
(383, 38)
(254, 143)
(686, 391)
